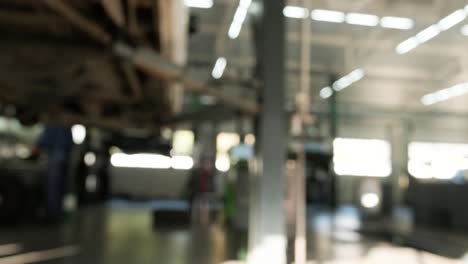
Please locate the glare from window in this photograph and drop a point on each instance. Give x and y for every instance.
(151, 161)
(362, 157)
(224, 143)
(182, 163)
(142, 160)
(440, 161)
(183, 142)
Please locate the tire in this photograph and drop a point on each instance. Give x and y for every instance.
(12, 200)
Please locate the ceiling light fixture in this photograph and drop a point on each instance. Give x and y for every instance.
(182, 162)
(326, 92)
(234, 30)
(452, 20)
(199, 3)
(362, 19)
(348, 80)
(433, 31)
(239, 18)
(356, 75)
(328, 16)
(428, 34)
(295, 12)
(218, 69)
(369, 20)
(397, 23)
(342, 83)
(445, 94)
(407, 45)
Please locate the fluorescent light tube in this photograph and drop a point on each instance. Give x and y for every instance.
(348, 80)
(326, 92)
(295, 12)
(240, 15)
(239, 18)
(407, 45)
(342, 83)
(445, 94)
(452, 20)
(356, 75)
(428, 34)
(245, 3)
(397, 23)
(219, 68)
(362, 19)
(199, 3)
(428, 100)
(328, 16)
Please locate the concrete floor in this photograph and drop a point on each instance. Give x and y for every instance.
(127, 235)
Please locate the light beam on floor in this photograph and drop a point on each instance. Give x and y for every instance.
(9, 249)
(39, 256)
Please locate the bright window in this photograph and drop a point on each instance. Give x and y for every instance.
(224, 142)
(183, 142)
(437, 160)
(362, 157)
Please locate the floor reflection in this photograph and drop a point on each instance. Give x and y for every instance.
(122, 234)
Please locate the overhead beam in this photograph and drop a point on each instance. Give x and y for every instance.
(133, 80)
(209, 113)
(400, 72)
(114, 10)
(172, 29)
(148, 60)
(154, 65)
(78, 20)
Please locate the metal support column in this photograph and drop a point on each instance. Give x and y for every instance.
(333, 112)
(399, 139)
(267, 239)
(303, 112)
(333, 130)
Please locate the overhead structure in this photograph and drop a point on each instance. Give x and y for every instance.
(77, 47)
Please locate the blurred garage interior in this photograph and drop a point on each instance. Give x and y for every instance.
(233, 131)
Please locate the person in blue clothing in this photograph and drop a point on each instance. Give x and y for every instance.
(57, 143)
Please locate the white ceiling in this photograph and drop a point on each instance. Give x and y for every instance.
(391, 80)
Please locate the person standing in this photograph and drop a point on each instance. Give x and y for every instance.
(56, 142)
